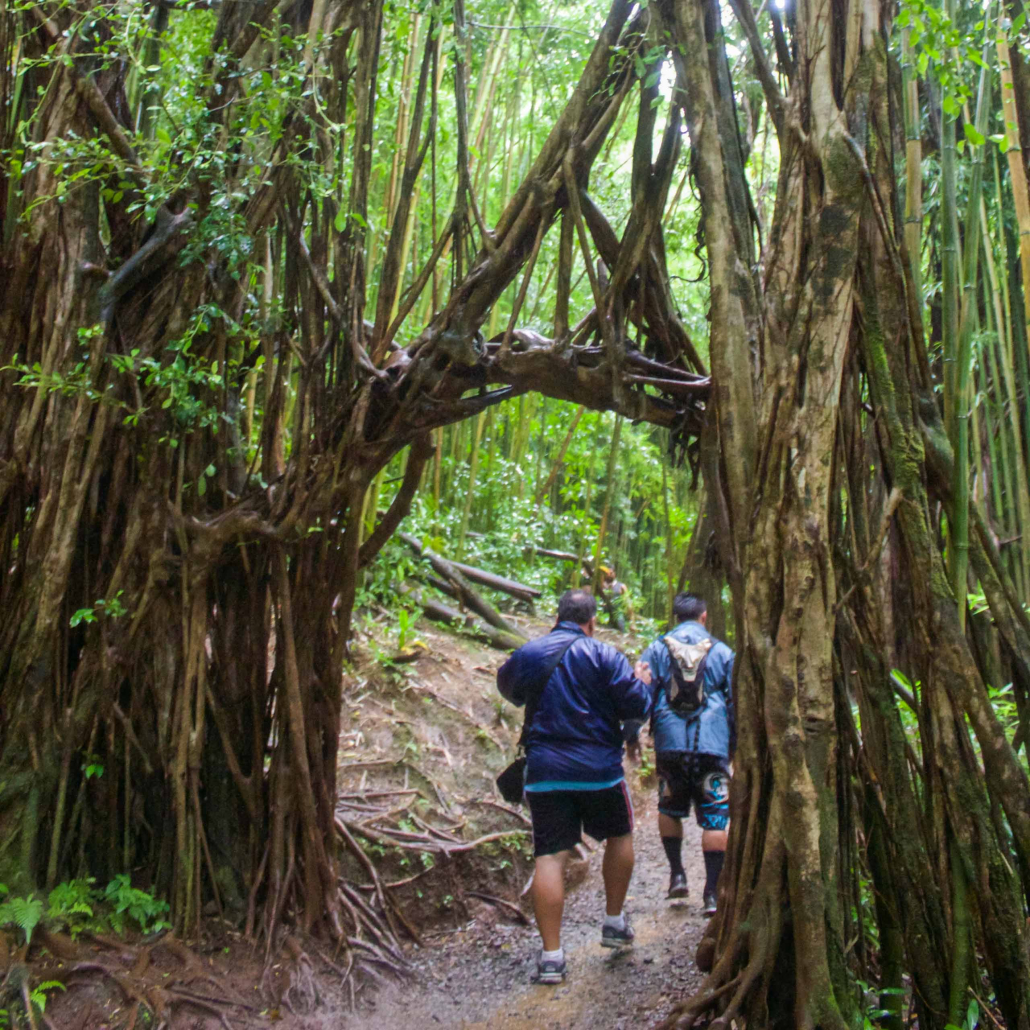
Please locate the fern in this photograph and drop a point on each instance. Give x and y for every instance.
(144, 908)
(40, 992)
(24, 912)
(70, 901)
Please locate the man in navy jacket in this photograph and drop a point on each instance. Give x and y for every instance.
(574, 778)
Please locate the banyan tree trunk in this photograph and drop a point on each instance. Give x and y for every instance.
(829, 540)
(179, 573)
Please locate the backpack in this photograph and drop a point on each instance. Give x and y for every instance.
(686, 691)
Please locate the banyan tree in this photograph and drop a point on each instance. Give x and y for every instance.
(209, 354)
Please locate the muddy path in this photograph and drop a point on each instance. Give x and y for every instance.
(477, 976)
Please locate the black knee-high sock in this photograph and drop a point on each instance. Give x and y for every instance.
(674, 853)
(713, 867)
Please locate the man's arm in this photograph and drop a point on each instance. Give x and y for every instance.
(630, 689)
(511, 679)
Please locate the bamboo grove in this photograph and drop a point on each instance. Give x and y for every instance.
(258, 256)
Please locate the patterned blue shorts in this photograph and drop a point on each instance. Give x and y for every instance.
(699, 780)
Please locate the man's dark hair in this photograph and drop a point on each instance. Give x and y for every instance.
(688, 607)
(578, 606)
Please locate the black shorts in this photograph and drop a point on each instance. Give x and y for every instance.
(701, 780)
(561, 816)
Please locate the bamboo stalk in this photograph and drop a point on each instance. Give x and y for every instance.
(473, 468)
(1013, 466)
(609, 493)
(959, 428)
(913, 165)
(1017, 171)
(544, 490)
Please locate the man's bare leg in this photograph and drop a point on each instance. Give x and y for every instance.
(713, 840)
(669, 827)
(617, 870)
(549, 897)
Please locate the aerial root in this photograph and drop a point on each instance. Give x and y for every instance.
(163, 1002)
(158, 1002)
(301, 994)
(718, 984)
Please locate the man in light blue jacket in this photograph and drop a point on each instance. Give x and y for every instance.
(693, 750)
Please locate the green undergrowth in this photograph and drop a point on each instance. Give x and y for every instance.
(78, 906)
(73, 907)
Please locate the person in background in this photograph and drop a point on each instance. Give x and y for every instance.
(694, 737)
(574, 776)
(615, 595)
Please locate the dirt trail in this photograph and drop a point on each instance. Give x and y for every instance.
(477, 977)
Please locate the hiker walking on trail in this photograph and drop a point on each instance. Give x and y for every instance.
(615, 595)
(576, 691)
(692, 722)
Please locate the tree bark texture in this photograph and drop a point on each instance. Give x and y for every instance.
(828, 536)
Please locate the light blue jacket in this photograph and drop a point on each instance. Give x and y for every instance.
(712, 729)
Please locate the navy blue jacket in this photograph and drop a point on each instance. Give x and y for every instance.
(709, 731)
(575, 741)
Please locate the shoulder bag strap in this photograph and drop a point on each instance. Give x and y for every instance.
(533, 701)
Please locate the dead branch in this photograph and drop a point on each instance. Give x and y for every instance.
(512, 909)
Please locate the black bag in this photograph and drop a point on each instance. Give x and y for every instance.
(686, 690)
(512, 782)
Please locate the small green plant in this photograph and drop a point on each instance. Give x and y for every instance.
(41, 992)
(71, 904)
(25, 913)
(92, 766)
(112, 608)
(127, 900)
(404, 624)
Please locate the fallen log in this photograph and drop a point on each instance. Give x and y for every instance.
(543, 552)
(468, 597)
(442, 613)
(491, 635)
(506, 586)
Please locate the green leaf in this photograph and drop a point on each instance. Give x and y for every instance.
(82, 615)
(201, 486)
(340, 221)
(973, 134)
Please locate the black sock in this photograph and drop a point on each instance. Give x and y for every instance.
(713, 866)
(674, 853)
